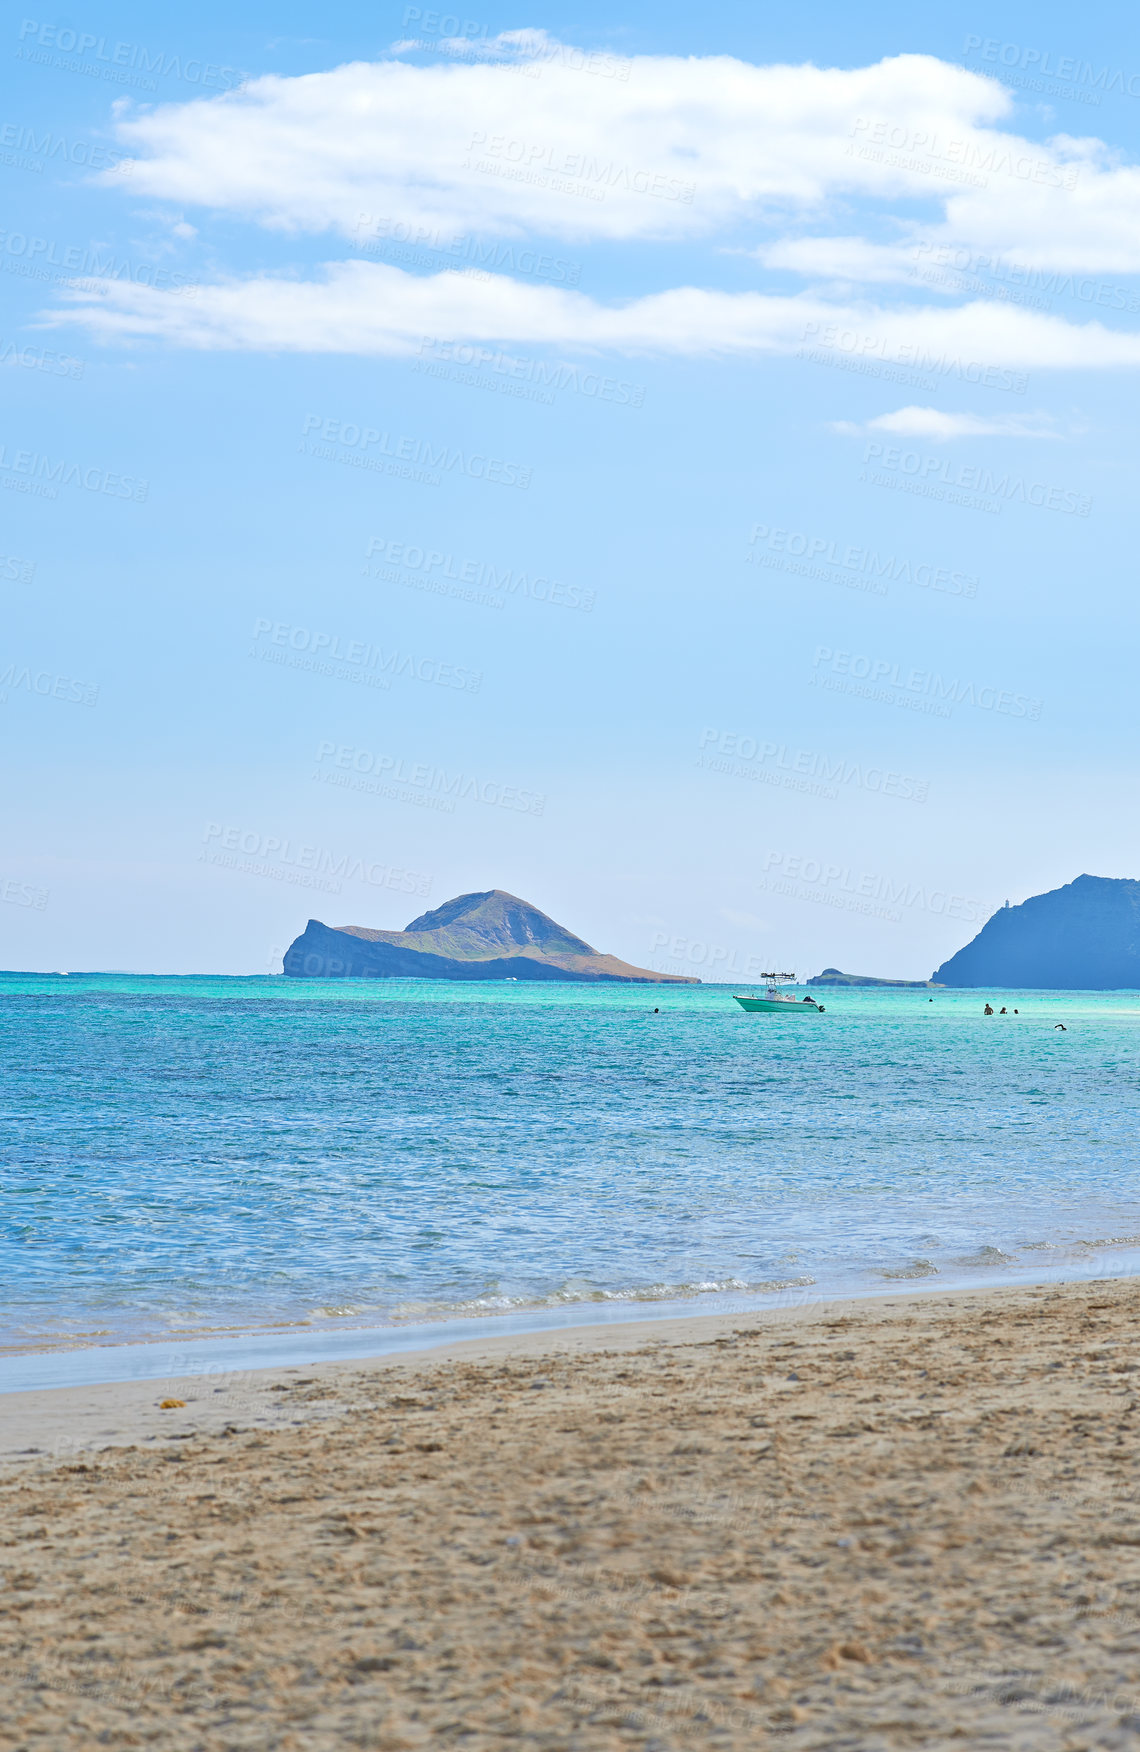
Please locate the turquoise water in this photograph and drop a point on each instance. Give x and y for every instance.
(194, 1155)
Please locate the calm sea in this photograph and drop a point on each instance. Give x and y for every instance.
(202, 1155)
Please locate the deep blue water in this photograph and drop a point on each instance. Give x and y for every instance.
(202, 1154)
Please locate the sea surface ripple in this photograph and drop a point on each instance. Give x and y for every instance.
(194, 1155)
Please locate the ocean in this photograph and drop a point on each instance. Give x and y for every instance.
(196, 1157)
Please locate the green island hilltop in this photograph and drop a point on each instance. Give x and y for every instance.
(494, 935)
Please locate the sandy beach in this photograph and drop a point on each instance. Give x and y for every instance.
(865, 1525)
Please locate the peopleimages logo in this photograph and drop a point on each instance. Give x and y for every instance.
(936, 472)
(802, 769)
(960, 160)
(41, 359)
(834, 880)
(921, 689)
(973, 264)
(858, 343)
(14, 893)
(119, 59)
(376, 234)
(716, 957)
(33, 256)
(871, 568)
(22, 137)
(520, 372)
(278, 856)
(403, 455)
(365, 769)
(321, 651)
(448, 575)
(47, 685)
(532, 161)
(26, 471)
(460, 34)
(1044, 63)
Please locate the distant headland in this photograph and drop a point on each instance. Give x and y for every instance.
(1083, 937)
(831, 976)
(494, 935)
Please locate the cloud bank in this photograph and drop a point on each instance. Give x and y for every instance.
(371, 308)
(710, 151)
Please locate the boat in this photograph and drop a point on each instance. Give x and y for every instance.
(774, 999)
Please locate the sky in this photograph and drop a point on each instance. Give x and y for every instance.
(675, 465)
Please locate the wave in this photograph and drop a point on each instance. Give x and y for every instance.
(574, 1295)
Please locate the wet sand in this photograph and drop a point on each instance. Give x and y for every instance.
(868, 1525)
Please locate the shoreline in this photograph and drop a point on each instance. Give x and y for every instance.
(62, 1363)
(55, 1422)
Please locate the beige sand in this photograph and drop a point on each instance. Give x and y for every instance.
(875, 1525)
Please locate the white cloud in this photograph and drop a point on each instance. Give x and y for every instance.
(371, 308)
(684, 147)
(839, 258)
(680, 148)
(936, 423)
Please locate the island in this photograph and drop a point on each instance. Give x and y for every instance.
(831, 976)
(1083, 937)
(475, 936)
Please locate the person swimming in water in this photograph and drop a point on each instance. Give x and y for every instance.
(1061, 1026)
(988, 1011)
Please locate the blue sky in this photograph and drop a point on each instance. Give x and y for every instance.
(676, 468)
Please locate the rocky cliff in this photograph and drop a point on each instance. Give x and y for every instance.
(476, 936)
(1083, 937)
